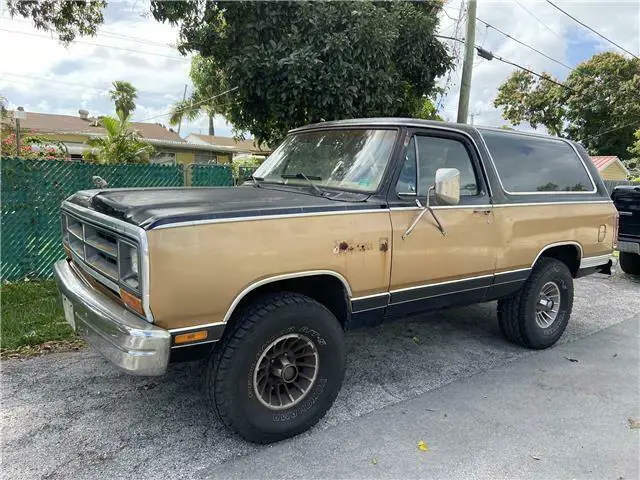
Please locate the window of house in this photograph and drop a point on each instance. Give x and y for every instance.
(528, 164)
(164, 158)
(427, 154)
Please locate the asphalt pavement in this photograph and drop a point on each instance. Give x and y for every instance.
(483, 407)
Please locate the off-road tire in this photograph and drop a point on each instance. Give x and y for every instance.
(516, 314)
(229, 374)
(630, 263)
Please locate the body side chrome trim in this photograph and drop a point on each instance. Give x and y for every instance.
(440, 283)
(269, 217)
(195, 327)
(123, 228)
(365, 297)
(559, 244)
(454, 292)
(593, 183)
(504, 272)
(278, 278)
(594, 261)
(174, 347)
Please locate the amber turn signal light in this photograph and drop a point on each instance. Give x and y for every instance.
(191, 337)
(133, 302)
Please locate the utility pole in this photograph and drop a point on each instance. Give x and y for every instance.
(18, 115)
(467, 66)
(184, 97)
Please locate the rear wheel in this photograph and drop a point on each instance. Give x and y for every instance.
(279, 370)
(630, 263)
(537, 315)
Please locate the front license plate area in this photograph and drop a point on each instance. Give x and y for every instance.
(68, 312)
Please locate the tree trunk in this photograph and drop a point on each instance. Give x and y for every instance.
(212, 132)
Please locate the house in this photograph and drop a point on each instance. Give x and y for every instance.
(610, 168)
(229, 148)
(74, 131)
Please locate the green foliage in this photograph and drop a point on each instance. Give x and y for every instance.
(599, 108)
(124, 97)
(32, 147)
(302, 62)
(208, 82)
(121, 144)
(428, 111)
(67, 19)
(248, 163)
(32, 314)
(633, 163)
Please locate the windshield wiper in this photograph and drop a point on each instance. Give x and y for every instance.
(256, 180)
(302, 176)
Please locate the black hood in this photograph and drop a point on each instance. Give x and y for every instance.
(152, 207)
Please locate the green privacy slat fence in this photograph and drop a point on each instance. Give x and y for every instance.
(205, 175)
(31, 193)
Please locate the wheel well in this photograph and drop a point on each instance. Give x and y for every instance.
(567, 254)
(325, 289)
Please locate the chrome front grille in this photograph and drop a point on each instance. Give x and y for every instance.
(97, 249)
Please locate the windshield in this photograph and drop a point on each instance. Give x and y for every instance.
(342, 159)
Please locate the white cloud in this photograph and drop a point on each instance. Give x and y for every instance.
(49, 77)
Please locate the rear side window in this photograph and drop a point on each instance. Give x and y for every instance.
(533, 165)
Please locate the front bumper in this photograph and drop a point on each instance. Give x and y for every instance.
(123, 338)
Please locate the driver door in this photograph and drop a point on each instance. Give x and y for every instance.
(431, 270)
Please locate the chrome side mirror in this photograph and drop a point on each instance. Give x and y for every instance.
(447, 186)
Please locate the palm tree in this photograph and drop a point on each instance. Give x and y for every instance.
(124, 95)
(121, 144)
(208, 82)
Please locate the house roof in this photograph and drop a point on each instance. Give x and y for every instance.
(53, 123)
(230, 144)
(602, 162)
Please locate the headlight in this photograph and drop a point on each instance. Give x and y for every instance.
(128, 264)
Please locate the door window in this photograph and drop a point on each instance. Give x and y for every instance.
(427, 154)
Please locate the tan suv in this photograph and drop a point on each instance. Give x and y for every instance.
(346, 224)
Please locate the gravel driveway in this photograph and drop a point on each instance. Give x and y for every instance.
(72, 415)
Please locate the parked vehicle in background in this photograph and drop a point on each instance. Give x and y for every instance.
(627, 201)
(346, 224)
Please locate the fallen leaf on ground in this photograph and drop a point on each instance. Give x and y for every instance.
(423, 447)
(572, 359)
(416, 339)
(374, 461)
(535, 457)
(634, 424)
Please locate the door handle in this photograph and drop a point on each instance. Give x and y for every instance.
(483, 211)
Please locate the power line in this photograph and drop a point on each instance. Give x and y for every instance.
(525, 45)
(192, 104)
(538, 20)
(84, 85)
(175, 59)
(591, 29)
(635, 122)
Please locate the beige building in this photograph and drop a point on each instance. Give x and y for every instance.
(228, 148)
(610, 167)
(74, 131)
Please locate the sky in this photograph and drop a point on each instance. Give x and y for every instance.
(40, 74)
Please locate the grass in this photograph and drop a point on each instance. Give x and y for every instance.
(32, 316)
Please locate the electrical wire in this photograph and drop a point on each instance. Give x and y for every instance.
(195, 104)
(141, 52)
(543, 77)
(591, 29)
(525, 44)
(538, 20)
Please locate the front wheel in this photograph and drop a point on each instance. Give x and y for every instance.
(279, 370)
(537, 316)
(630, 263)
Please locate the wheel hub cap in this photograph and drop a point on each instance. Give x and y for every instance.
(286, 371)
(548, 305)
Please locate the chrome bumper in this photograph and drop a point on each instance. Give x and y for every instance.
(120, 336)
(630, 247)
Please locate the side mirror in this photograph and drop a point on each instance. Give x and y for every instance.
(447, 186)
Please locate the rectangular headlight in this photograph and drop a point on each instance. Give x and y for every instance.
(128, 264)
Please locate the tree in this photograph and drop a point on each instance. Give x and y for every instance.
(124, 95)
(300, 62)
(67, 19)
(599, 105)
(208, 82)
(428, 111)
(633, 163)
(121, 144)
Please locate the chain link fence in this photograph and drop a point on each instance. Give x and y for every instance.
(32, 191)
